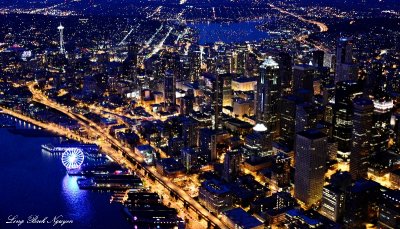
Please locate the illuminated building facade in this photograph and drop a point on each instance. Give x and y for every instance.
(345, 68)
(362, 125)
(346, 91)
(389, 210)
(268, 93)
(311, 154)
(232, 161)
(215, 196)
(169, 88)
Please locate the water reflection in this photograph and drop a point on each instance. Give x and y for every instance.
(229, 32)
(76, 200)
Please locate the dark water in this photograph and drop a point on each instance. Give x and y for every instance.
(238, 32)
(36, 183)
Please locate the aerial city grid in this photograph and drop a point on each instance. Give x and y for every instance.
(244, 114)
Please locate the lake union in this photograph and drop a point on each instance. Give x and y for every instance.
(235, 32)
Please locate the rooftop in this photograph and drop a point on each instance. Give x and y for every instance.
(312, 134)
(215, 186)
(269, 62)
(242, 218)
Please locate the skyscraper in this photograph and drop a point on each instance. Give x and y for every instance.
(131, 62)
(208, 143)
(194, 64)
(258, 143)
(303, 77)
(345, 68)
(285, 72)
(280, 174)
(223, 96)
(345, 92)
(362, 125)
(133, 50)
(186, 103)
(311, 154)
(190, 131)
(231, 165)
(389, 209)
(334, 196)
(318, 58)
(288, 105)
(306, 117)
(169, 88)
(268, 93)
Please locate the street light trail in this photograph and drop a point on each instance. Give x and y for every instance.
(94, 129)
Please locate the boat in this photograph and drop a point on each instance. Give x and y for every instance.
(61, 147)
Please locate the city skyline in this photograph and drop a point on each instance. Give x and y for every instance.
(200, 114)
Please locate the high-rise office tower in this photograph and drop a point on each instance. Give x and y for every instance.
(311, 154)
(303, 77)
(208, 143)
(288, 105)
(285, 72)
(345, 92)
(374, 79)
(184, 68)
(169, 87)
(381, 120)
(332, 202)
(306, 117)
(362, 125)
(189, 158)
(334, 196)
(190, 131)
(186, 103)
(268, 94)
(133, 50)
(324, 76)
(383, 112)
(361, 203)
(223, 96)
(241, 59)
(383, 108)
(345, 68)
(131, 62)
(232, 162)
(318, 58)
(171, 61)
(259, 143)
(194, 64)
(280, 174)
(389, 209)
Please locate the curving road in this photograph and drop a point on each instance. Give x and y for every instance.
(303, 38)
(322, 27)
(94, 129)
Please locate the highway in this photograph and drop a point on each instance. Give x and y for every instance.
(303, 38)
(322, 27)
(136, 161)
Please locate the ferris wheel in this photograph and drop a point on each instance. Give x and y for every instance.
(72, 158)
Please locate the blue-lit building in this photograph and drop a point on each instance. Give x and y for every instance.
(239, 218)
(215, 196)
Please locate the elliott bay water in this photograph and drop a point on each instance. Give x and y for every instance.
(35, 183)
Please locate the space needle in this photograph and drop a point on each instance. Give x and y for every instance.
(61, 30)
